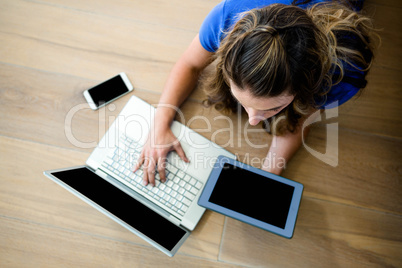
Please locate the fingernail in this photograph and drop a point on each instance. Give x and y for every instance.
(144, 183)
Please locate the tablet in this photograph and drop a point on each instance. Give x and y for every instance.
(253, 196)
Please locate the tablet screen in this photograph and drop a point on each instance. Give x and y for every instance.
(253, 195)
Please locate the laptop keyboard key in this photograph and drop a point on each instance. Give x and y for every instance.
(175, 196)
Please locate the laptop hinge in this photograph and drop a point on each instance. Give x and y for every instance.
(92, 164)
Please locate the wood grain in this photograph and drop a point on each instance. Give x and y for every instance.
(186, 16)
(52, 50)
(25, 193)
(388, 22)
(327, 235)
(250, 144)
(85, 44)
(48, 246)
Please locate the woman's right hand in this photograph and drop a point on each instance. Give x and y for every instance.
(154, 154)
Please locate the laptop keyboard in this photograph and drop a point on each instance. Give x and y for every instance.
(174, 195)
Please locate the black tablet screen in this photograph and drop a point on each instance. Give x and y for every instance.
(253, 195)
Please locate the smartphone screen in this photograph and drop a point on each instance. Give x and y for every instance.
(108, 90)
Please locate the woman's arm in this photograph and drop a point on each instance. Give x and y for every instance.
(179, 85)
(285, 146)
(182, 80)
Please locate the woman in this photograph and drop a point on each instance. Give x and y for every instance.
(278, 60)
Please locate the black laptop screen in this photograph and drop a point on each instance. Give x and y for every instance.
(122, 206)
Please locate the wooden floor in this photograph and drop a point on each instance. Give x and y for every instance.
(52, 50)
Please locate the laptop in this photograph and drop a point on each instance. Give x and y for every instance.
(163, 215)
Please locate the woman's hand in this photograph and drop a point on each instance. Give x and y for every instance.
(284, 147)
(154, 154)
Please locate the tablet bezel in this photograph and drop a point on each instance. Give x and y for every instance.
(293, 209)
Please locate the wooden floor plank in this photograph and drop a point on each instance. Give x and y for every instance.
(26, 244)
(52, 50)
(39, 106)
(378, 109)
(367, 172)
(326, 235)
(186, 15)
(26, 194)
(42, 106)
(72, 44)
(88, 45)
(388, 21)
(390, 3)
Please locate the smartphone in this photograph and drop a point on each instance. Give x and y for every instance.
(108, 91)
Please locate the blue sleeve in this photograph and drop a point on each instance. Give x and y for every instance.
(223, 16)
(352, 82)
(339, 94)
(210, 31)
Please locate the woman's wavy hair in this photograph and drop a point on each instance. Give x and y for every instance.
(286, 49)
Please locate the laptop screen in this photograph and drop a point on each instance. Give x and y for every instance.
(122, 206)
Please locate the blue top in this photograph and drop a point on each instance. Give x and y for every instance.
(225, 15)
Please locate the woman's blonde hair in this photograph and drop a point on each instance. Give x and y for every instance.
(286, 49)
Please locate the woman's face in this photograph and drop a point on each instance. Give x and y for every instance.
(259, 109)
